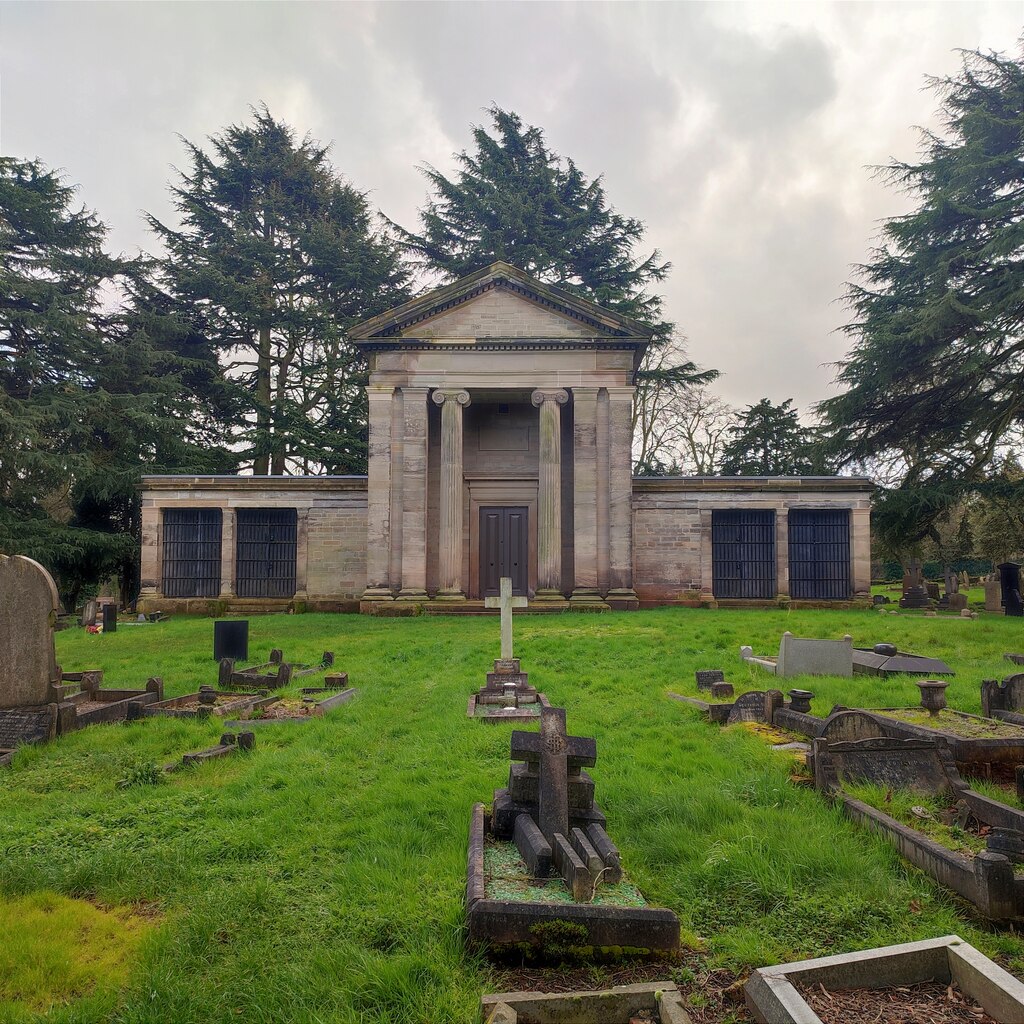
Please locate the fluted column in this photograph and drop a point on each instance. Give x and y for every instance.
(549, 493)
(586, 498)
(452, 402)
(378, 494)
(414, 495)
(621, 594)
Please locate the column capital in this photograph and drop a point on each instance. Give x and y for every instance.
(622, 393)
(459, 396)
(542, 395)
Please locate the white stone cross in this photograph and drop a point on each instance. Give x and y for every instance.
(506, 602)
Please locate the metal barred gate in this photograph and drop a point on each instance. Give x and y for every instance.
(819, 554)
(191, 552)
(743, 553)
(265, 549)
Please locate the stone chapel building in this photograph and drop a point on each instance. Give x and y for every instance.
(500, 441)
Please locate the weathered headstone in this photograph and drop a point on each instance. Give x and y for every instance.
(921, 765)
(749, 707)
(89, 612)
(799, 656)
(957, 602)
(707, 676)
(28, 612)
(993, 596)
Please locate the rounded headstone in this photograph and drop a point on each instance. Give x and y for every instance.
(28, 612)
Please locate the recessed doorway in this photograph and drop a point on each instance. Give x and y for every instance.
(504, 548)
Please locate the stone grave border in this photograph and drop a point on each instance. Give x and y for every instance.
(175, 707)
(508, 925)
(120, 704)
(273, 674)
(607, 1006)
(987, 879)
(516, 715)
(772, 996)
(230, 743)
(320, 708)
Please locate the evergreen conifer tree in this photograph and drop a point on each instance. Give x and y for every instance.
(275, 257)
(514, 199)
(769, 440)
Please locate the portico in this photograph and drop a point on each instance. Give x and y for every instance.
(500, 444)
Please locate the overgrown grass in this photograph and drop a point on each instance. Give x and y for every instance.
(321, 878)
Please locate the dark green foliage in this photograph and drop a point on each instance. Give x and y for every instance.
(769, 440)
(515, 199)
(935, 378)
(275, 258)
(92, 396)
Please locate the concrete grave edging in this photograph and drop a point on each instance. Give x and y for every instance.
(772, 997)
(607, 1006)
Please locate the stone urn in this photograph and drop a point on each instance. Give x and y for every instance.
(933, 695)
(207, 695)
(800, 700)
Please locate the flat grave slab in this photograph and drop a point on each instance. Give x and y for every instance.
(773, 994)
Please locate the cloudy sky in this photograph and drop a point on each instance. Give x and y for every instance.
(742, 134)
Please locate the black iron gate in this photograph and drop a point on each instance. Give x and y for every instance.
(819, 554)
(265, 565)
(191, 552)
(743, 553)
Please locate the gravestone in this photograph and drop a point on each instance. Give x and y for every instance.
(89, 612)
(110, 618)
(920, 765)
(914, 593)
(749, 707)
(707, 676)
(799, 656)
(847, 726)
(1009, 583)
(993, 596)
(933, 591)
(28, 611)
(957, 602)
(507, 694)
(231, 639)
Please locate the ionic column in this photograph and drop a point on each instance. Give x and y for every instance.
(620, 498)
(414, 495)
(549, 493)
(585, 498)
(452, 402)
(378, 495)
(227, 553)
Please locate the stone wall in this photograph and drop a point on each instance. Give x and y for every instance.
(672, 529)
(331, 546)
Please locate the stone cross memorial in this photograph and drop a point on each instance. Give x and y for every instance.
(549, 812)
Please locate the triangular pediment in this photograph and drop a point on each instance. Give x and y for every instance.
(503, 302)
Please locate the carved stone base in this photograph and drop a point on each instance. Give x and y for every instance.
(623, 599)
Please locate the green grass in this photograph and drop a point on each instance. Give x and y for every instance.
(321, 878)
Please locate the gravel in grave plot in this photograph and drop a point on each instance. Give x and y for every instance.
(931, 1002)
(507, 878)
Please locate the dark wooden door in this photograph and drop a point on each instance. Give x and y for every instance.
(743, 553)
(265, 562)
(504, 547)
(819, 554)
